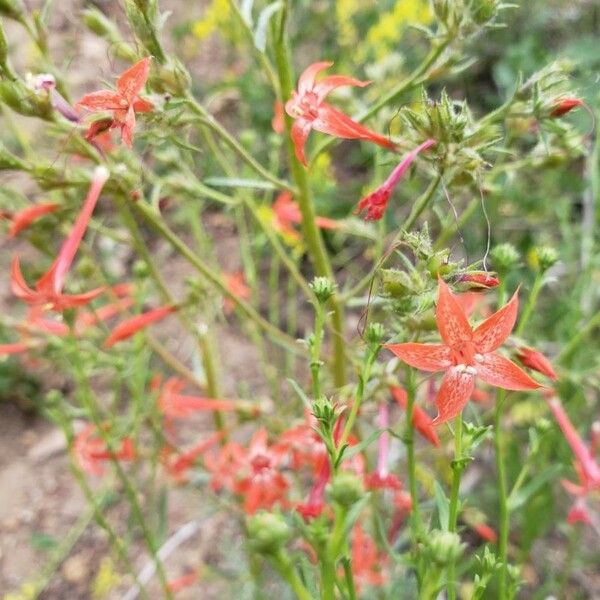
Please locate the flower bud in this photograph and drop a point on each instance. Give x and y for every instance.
(98, 23)
(445, 546)
(347, 489)
(140, 269)
(564, 106)
(535, 360)
(545, 257)
(267, 532)
(324, 411)
(374, 333)
(504, 257)
(483, 11)
(441, 9)
(323, 288)
(476, 280)
(13, 9)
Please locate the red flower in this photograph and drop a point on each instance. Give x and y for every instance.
(376, 202)
(252, 473)
(15, 348)
(87, 319)
(466, 354)
(367, 562)
(123, 103)
(287, 213)
(485, 532)
(316, 499)
(178, 465)
(172, 404)
(91, 452)
(48, 289)
(236, 284)
(125, 329)
(27, 216)
(180, 583)
(564, 106)
(477, 280)
(310, 111)
(535, 360)
(422, 422)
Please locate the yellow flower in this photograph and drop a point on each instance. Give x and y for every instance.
(106, 580)
(215, 16)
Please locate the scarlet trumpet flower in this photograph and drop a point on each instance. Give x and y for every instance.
(236, 284)
(535, 360)
(564, 106)
(376, 202)
(422, 422)
(24, 218)
(466, 354)
(48, 289)
(129, 327)
(287, 212)
(586, 465)
(310, 111)
(173, 404)
(91, 451)
(367, 562)
(123, 103)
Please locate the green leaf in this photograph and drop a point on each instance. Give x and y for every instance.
(301, 394)
(43, 541)
(354, 450)
(521, 496)
(443, 505)
(239, 182)
(260, 34)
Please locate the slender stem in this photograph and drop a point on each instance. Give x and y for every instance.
(457, 468)
(315, 358)
(409, 440)
(403, 86)
(575, 342)
(503, 512)
(286, 569)
(215, 280)
(312, 234)
(208, 120)
(359, 395)
(422, 203)
(531, 302)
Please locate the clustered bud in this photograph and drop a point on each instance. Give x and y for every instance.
(323, 288)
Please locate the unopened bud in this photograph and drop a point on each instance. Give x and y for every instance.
(267, 532)
(98, 23)
(483, 11)
(347, 489)
(545, 257)
(476, 280)
(374, 333)
(13, 9)
(504, 257)
(140, 269)
(323, 288)
(564, 106)
(441, 9)
(445, 546)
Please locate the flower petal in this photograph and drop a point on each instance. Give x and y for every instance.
(19, 286)
(427, 357)
(129, 327)
(26, 217)
(495, 329)
(300, 130)
(451, 319)
(332, 82)
(132, 81)
(142, 105)
(102, 100)
(306, 81)
(454, 393)
(503, 373)
(128, 126)
(336, 123)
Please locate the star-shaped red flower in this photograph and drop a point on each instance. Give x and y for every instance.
(310, 111)
(123, 103)
(466, 354)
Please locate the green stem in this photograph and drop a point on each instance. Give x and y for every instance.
(575, 342)
(315, 359)
(208, 120)
(215, 280)
(285, 568)
(531, 302)
(409, 440)
(422, 203)
(312, 234)
(457, 468)
(503, 512)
